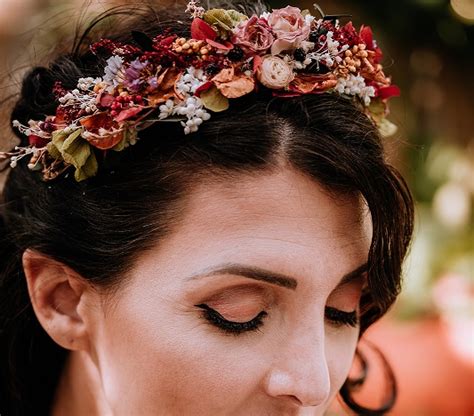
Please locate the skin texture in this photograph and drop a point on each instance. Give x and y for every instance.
(148, 349)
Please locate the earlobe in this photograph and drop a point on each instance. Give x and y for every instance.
(56, 293)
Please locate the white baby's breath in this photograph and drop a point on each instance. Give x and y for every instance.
(355, 85)
(191, 107)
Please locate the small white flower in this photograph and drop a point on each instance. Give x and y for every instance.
(85, 84)
(195, 9)
(355, 85)
(191, 107)
(113, 70)
(309, 19)
(307, 45)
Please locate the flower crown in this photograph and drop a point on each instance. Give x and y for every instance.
(173, 78)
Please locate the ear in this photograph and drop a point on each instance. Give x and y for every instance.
(57, 294)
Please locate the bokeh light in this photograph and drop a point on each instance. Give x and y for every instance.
(464, 9)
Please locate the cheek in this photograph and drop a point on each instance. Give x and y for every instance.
(340, 350)
(170, 362)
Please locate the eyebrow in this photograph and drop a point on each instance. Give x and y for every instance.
(268, 276)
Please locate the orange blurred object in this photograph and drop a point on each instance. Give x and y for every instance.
(433, 379)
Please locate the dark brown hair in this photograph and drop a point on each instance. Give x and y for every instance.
(99, 227)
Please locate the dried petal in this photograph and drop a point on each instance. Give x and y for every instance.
(227, 46)
(239, 86)
(128, 113)
(105, 99)
(37, 141)
(224, 75)
(388, 92)
(202, 88)
(94, 123)
(200, 30)
(213, 100)
(105, 142)
(306, 84)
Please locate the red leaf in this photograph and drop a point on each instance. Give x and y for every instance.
(200, 30)
(128, 113)
(227, 46)
(37, 141)
(387, 92)
(95, 121)
(168, 40)
(107, 142)
(203, 87)
(367, 36)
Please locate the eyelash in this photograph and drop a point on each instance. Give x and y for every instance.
(336, 317)
(340, 318)
(231, 327)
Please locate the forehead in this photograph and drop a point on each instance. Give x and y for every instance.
(282, 221)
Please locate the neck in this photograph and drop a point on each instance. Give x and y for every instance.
(79, 390)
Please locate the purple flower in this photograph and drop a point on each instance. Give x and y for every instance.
(133, 79)
(153, 83)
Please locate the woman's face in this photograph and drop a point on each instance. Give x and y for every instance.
(249, 308)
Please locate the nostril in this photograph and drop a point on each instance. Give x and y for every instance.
(298, 402)
(295, 400)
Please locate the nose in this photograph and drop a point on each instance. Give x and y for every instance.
(300, 373)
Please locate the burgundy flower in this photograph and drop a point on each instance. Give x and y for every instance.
(254, 35)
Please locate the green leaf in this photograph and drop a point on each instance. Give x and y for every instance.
(76, 150)
(128, 136)
(121, 144)
(224, 20)
(72, 142)
(58, 139)
(213, 100)
(54, 151)
(236, 17)
(219, 18)
(88, 170)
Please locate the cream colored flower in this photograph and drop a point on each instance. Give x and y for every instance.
(275, 73)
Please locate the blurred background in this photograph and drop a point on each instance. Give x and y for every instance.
(428, 337)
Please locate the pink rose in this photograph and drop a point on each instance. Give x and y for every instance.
(290, 28)
(275, 73)
(253, 35)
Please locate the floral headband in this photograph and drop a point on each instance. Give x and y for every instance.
(173, 78)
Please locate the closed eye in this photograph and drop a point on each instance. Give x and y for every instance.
(339, 318)
(231, 327)
(334, 316)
